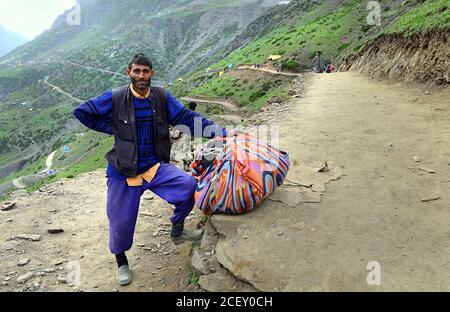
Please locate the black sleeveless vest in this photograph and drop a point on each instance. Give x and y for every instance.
(123, 156)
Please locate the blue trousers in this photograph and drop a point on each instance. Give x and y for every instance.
(170, 183)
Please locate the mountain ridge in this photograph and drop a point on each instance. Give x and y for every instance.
(9, 40)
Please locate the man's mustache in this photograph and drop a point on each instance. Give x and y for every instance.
(141, 82)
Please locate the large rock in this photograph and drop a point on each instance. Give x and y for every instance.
(23, 261)
(199, 262)
(25, 277)
(290, 196)
(252, 249)
(203, 258)
(7, 206)
(31, 237)
(222, 281)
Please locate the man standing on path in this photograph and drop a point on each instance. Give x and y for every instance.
(139, 116)
(317, 63)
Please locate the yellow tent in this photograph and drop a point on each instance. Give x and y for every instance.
(273, 57)
(221, 73)
(180, 79)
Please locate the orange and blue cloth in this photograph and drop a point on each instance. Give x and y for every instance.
(247, 172)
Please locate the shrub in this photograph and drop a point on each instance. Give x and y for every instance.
(266, 86)
(344, 46)
(365, 28)
(358, 47)
(290, 64)
(256, 95)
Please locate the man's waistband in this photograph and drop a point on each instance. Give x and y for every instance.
(147, 176)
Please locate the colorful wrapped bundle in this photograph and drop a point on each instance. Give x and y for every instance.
(236, 178)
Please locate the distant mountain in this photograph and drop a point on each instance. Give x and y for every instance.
(10, 40)
(177, 34)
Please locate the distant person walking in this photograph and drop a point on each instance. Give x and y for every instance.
(317, 63)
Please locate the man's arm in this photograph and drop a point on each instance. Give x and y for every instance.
(96, 113)
(198, 125)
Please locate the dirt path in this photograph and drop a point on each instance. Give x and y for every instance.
(78, 207)
(58, 89)
(97, 69)
(229, 105)
(105, 71)
(18, 183)
(269, 71)
(375, 212)
(374, 129)
(49, 161)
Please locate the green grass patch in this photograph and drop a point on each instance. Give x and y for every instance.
(88, 162)
(251, 93)
(314, 32)
(192, 276)
(28, 169)
(427, 15)
(4, 198)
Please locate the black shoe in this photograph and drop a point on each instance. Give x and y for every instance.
(179, 235)
(187, 235)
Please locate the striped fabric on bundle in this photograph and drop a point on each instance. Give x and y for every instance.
(244, 175)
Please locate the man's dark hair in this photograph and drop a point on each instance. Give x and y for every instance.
(140, 59)
(192, 106)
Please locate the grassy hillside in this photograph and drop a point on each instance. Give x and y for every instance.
(324, 27)
(85, 158)
(31, 114)
(250, 89)
(337, 29)
(426, 15)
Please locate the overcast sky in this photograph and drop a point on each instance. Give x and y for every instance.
(31, 17)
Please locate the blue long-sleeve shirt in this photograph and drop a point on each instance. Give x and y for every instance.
(96, 114)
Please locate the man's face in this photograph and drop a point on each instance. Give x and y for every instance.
(141, 76)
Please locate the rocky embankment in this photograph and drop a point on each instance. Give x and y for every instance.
(421, 57)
